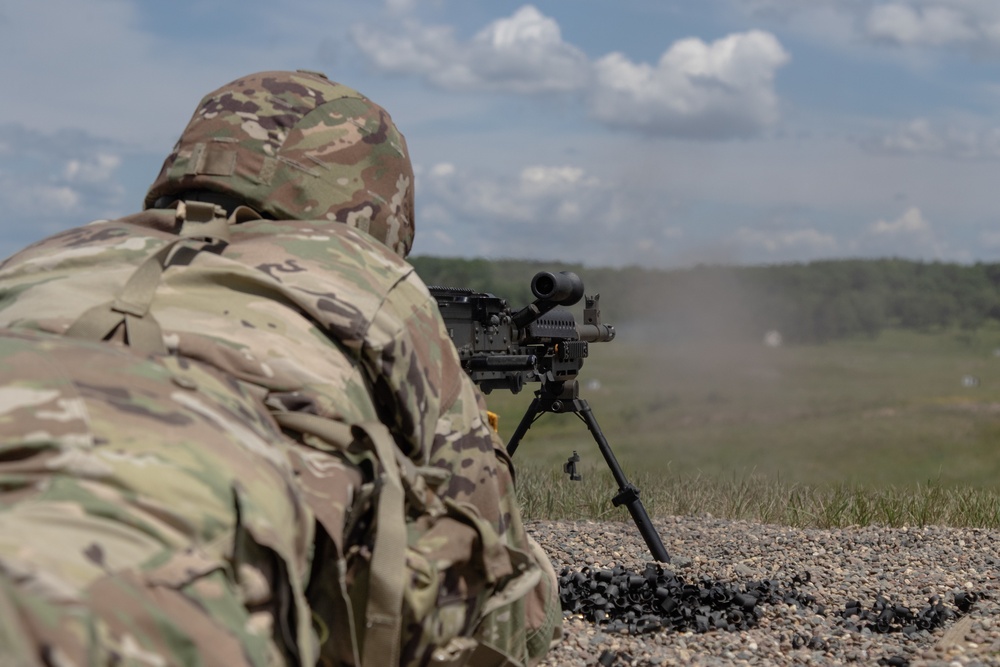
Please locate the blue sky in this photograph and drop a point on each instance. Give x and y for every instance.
(662, 133)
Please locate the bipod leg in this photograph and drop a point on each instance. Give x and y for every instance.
(527, 420)
(628, 494)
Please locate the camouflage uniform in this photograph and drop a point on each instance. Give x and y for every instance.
(307, 317)
(148, 510)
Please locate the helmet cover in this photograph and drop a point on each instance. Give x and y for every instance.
(297, 146)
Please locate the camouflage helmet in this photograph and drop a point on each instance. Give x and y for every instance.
(296, 146)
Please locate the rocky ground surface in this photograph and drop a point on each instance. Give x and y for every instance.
(830, 588)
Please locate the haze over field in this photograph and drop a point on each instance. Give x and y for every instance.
(655, 132)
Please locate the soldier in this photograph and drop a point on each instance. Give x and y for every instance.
(233, 429)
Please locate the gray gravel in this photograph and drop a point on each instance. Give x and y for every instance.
(905, 565)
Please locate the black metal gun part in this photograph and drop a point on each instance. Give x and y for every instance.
(503, 349)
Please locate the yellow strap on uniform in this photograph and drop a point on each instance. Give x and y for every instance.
(494, 420)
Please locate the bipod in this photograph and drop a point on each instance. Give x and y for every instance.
(567, 399)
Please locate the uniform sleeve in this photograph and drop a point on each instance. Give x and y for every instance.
(415, 372)
(471, 450)
(482, 476)
(437, 408)
(433, 405)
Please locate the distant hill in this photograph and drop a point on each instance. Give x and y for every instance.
(809, 302)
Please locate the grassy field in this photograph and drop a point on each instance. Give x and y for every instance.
(877, 428)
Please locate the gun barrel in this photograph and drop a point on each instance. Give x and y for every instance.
(596, 333)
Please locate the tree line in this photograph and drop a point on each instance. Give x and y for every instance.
(807, 302)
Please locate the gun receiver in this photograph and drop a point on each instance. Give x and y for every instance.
(502, 349)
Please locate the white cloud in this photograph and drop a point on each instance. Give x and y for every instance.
(541, 181)
(932, 24)
(721, 89)
(97, 169)
(77, 69)
(909, 235)
(101, 66)
(550, 212)
(442, 169)
(904, 23)
(911, 223)
(536, 187)
(823, 22)
(908, 32)
(524, 53)
(464, 196)
(707, 191)
(45, 199)
(542, 211)
(916, 136)
(961, 139)
(49, 182)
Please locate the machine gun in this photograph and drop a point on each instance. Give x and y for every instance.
(503, 349)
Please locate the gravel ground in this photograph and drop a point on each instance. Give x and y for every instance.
(906, 566)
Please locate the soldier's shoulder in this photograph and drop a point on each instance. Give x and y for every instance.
(321, 247)
(342, 276)
(130, 235)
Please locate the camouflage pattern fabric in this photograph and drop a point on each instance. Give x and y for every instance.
(320, 413)
(324, 320)
(148, 514)
(295, 145)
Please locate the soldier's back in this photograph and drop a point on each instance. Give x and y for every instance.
(310, 314)
(145, 509)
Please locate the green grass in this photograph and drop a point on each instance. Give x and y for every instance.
(547, 494)
(853, 432)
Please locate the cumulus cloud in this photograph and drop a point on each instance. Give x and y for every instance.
(903, 23)
(931, 23)
(547, 212)
(909, 235)
(541, 212)
(549, 193)
(911, 223)
(95, 169)
(442, 169)
(524, 53)
(49, 182)
(546, 181)
(719, 89)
